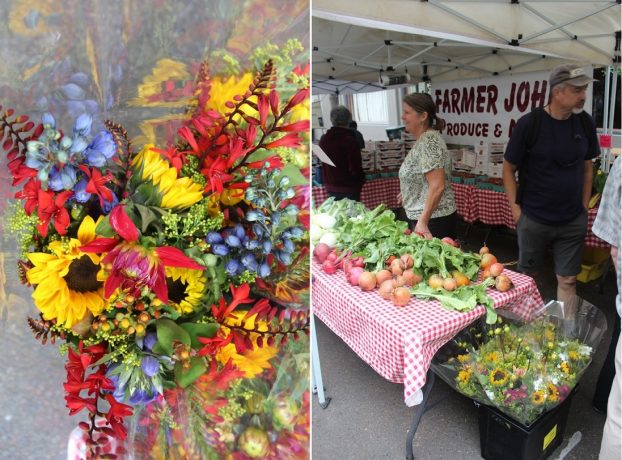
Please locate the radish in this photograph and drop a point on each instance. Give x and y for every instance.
(321, 251)
(358, 261)
(382, 276)
(496, 269)
(487, 260)
(355, 273)
(450, 284)
(400, 296)
(450, 241)
(503, 283)
(484, 250)
(411, 278)
(386, 289)
(329, 267)
(435, 282)
(408, 261)
(367, 281)
(397, 267)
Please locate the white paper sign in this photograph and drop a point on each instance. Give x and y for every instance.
(318, 152)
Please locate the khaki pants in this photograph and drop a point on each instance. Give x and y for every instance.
(611, 446)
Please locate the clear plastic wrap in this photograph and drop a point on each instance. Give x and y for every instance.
(523, 369)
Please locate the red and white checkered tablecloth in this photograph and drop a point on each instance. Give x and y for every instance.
(399, 342)
(374, 192)
(492, 208)
(465, 202)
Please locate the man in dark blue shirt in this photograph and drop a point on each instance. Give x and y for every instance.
(555, 180)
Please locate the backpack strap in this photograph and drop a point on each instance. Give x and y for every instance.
(531, 137)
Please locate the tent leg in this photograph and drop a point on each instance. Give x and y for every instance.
(410, 453)
(316, 369)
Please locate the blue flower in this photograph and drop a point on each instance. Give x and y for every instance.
(109, 205)
(220, 249)
(80, 193)
(267, 246)
(232, 267)
(63, 179)
(214, 238)
(150, 365)
(101, 149)
(82, 125)
(151, 338)
(249, 261)
(48, 119)
(233, 241)
(264, 270)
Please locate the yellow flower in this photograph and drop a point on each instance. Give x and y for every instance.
(67, 286)
(224, 90)
(573, 355)
(499, 377)
(464, 375)
(553, 393)
(254, 362)
(152, 89)
(493, 357)
(538, 397)
(177, 193)
(185, 288)
(464, 358)
(564, 367)
(30, 17)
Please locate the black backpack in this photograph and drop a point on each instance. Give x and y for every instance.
(533, 130)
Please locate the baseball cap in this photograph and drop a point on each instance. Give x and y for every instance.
(569, 73)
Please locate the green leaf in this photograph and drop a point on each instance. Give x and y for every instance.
(147, 216)
(294, 174)
(195, 330)
(169, 332)
(104, 229)
(147, 194)
(185, 377)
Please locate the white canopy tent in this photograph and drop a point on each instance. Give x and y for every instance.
(434, 40)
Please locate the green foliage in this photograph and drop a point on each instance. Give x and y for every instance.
(21, 226)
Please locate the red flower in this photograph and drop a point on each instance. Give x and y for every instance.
(30, 193)
(97, 182)
(240, 295)
(213, 344)
(122, 224)
(53, 207)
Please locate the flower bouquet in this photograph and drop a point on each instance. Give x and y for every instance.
(176, 277)
(522, 369)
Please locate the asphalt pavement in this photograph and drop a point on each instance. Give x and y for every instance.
(367, 419)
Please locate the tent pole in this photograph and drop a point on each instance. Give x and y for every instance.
(612, 111)
(604, 155)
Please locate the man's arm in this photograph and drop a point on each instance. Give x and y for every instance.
(509, 184)
(587, 182)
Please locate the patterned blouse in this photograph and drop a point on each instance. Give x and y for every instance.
(428, 153)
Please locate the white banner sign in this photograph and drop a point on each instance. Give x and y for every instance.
(480, 115)
(487, 109)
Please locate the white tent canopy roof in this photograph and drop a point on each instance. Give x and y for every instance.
(356, 40)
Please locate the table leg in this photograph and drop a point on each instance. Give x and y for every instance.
(410, 454)
(316, 369)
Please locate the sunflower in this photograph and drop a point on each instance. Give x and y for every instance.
(464, 376)
(538, 397)
(565, 367)
(224, 90)
(553, 393)
(185, 288)
(66, 280)
(251, 362)
(176, 192)
(493, 357)
(499, 377)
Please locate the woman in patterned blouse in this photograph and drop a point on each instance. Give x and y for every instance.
(425, 174)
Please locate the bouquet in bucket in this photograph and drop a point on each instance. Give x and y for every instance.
(176, 277)
(522, 369)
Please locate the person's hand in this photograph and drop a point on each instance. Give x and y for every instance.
(422, 229)
(516, 212)
(399, 199)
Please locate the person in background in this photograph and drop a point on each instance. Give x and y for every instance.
(425, 174)
(345, 179)
(550, 205)
(607, 227)
(359, 136)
